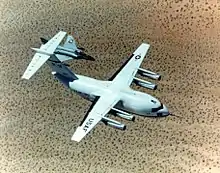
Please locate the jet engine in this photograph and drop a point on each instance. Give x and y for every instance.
(145, 84)
(149, 74)
(113, 123)
(124, 115)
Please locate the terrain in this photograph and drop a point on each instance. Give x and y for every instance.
(39, 116)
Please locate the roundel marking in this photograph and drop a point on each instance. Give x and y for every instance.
(137, 56)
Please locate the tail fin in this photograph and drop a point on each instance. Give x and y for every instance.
(61, 71)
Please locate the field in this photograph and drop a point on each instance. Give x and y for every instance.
(39, 116)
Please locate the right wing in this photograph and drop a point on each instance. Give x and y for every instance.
(99, 110)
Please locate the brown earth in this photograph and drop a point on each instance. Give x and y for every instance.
(39, 116)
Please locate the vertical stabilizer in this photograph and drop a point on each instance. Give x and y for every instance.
(61, 71)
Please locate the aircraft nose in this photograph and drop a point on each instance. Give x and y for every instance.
(163, 112)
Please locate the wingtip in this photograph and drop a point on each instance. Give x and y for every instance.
(146, 44)
(24, 77)
(75, 138)
(35, 49)
(77, 135)
(142, 48)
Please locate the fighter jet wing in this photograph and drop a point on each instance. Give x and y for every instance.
(53, 43)
(124, 76)
(99, 110)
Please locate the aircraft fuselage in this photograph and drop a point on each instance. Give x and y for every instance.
(131, 101)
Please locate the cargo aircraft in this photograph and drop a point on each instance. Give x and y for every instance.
(114, 95)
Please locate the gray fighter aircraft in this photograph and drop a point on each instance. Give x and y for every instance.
(68, 50)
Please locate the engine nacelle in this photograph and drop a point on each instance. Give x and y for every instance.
(113, 123)
(124, 115)
(149, 74)
(145, 84)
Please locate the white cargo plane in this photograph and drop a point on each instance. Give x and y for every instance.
(114, 95)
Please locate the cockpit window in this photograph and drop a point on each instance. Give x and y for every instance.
(157, 109)
(70, 41)
(153, 101)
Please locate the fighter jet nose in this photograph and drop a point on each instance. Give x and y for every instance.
(91, 58)
(85, 56)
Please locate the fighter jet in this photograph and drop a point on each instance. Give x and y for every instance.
(68, 50)
(113, 95)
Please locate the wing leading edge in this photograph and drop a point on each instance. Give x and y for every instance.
(103, 105)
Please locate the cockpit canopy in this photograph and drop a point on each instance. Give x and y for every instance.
(158, 108)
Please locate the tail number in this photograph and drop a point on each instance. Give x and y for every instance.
(88, 123)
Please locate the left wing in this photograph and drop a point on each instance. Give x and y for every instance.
(124, 76)
(103, 105)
